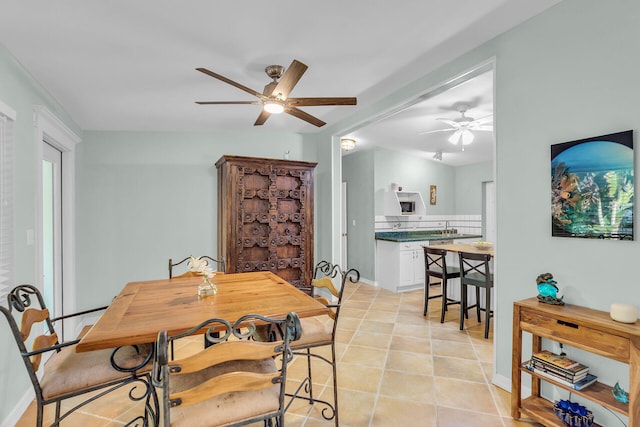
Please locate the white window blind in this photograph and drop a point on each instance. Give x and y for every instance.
(7, 118)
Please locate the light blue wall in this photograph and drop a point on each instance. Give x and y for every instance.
(21, 93)
(566, 75)
(468, 187)
(145, 197)
(414, 174)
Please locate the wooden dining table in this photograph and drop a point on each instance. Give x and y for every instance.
(144, 308)
(463, 247)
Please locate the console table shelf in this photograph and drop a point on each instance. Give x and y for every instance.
(580, 327)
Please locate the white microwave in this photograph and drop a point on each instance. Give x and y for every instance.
(408, 207)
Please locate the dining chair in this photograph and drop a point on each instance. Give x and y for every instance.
(475, 271)
(57, 372)
(221, 266)
(320, 331)
(435, 266)
(232, 383)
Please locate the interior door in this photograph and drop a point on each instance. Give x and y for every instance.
(343, 227)
(52, 228)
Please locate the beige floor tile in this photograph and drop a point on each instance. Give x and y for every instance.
(410, 343)
(357, 412)
(376, 327)
(403, 385)
(449, 334)
(453, 367)
(404, 330)
(380, 316)
(464, 395)
(348, 323)
(450, 417)
(367, 356)
(344, 335)
(412, 363)
(359, 377)
(452, 349)
(413, 319)
(399, 412)
(371, 340)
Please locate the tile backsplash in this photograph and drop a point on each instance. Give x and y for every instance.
(465, 224)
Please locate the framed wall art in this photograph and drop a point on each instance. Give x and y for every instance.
(592, 187)
(432, 194)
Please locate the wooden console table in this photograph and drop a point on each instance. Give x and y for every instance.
(580, 327)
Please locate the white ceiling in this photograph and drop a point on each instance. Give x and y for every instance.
(130, 65)
(404, 130)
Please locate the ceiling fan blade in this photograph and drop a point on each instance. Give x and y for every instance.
(229, 102)
(301, 102)
(264, 115)
(231, 82)
(482, 127)
(451, 123)
(437, 130)
(289, 79)
(304, 116)
(485, 119)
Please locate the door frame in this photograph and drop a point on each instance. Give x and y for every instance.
(50, 129)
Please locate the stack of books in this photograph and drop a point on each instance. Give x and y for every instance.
(561, 369)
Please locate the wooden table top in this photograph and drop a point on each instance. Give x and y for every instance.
(142, 309)
(463, 247)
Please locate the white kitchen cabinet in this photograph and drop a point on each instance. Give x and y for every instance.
(400, 265)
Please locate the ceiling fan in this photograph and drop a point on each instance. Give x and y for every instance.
(275, 97)
(463, 126)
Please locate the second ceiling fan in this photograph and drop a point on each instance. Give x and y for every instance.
(275, 96)
(463, 126)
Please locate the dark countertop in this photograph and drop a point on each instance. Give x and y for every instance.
(418, 235)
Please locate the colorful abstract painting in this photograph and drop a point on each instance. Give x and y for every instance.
(592, 187)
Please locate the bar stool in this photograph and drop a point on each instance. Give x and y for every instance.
(435, 265)
(474, 271)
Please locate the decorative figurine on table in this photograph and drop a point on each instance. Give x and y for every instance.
(548, 289)
(619, 394)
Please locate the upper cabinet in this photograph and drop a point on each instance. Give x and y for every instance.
(397, 203)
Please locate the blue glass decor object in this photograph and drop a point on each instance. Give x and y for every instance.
(619, 394)
(548, 289)
(573, 414)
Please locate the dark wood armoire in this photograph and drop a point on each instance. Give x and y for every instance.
(265, 217)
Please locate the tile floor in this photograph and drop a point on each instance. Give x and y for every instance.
(396, 368)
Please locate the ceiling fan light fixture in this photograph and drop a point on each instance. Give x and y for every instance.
(464, 135)
(467, 137)
(273, 107)
(347, 144)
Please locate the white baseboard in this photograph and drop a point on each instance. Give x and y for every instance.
(368, 281)
(19, 409)
(505, 384)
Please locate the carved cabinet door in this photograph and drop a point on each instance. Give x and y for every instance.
(265, 217)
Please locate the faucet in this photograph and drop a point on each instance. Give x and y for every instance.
(446, 227)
